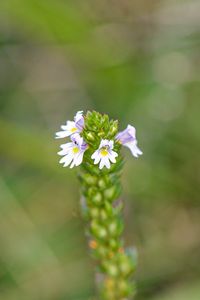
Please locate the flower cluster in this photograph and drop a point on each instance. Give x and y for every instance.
(73, 151)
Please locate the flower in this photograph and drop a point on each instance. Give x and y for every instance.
(72, 127)
(127, 138)
(73, 152)
(104, 154)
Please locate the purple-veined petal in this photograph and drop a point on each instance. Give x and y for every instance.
(127, 135)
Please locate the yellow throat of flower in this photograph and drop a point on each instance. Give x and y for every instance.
(74, 129)
(104, 152)
(75, 150)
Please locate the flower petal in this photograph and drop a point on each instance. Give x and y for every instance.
(127, 135)
(79, 120)
(62, 134)
(77, 139)
(102, 163)
(78, 116)
(72, 164)
(111, 144)
(97, 160)
(107, 162)
(67, 145)
(78, 159)
(104, 143)
(66, 160)
(95, 154)
(112, 155)
(134, 148)
(63, 152)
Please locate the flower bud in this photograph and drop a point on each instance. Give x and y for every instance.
(111, 268)
(109, 294)
(98, 230)
(91, 191)
(94, 212)
(110, 193)
(113, 244)
(102, 251)
(90, 136)
(101, 134)
(102, 183)
(102, 233)
(110, 283)
(113, 128)
(125, 265)
(97, 198)
(103, 214)
(89, 179)
(123, 287)
(113, 228)
(94, 225)
(109, 209)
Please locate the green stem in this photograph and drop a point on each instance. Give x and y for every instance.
(103, 214)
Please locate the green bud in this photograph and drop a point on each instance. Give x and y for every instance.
(113, 128)
(90, 136)
(101, 233)
(103, 214)
(101, 134)
(94, 225)
(94, 212)
(89, 179)
(97, 198)
(109, 209)
(98, 230)
(125, 265)
(123, 287)
(110, 294)
(110, 193)
(92, 191)
(107, 179)
(111, 268)
(113, 228)
(102, 251)
(113, 244)
(102, 183)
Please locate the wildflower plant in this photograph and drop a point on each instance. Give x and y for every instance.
(95, 146)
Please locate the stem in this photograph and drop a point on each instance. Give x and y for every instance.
(104, 228)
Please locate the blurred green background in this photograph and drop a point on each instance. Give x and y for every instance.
(139, 62)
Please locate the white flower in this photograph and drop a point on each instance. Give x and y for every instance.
(72, 127)
(127, 138)
(104, 154)
(73, 152)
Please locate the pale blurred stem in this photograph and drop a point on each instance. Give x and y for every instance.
(104, 228)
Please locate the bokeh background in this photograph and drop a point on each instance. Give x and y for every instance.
(139, 62)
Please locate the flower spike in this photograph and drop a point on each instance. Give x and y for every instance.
(95, 144)
(72, 127)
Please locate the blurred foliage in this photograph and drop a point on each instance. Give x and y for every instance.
(138, 61)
